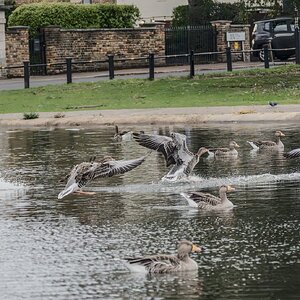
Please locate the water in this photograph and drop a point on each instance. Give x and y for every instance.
(74, 248)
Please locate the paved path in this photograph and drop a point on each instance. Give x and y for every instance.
(35, 81)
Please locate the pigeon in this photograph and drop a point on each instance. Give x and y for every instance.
(272, 103)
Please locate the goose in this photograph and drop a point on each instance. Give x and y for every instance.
(208, 201)
(227, 152)
(269, 145)
(292, 154)
(174, 150)
(85, 172)
(164, 263)
(122, 135)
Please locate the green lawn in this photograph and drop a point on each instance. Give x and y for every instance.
(250, 87)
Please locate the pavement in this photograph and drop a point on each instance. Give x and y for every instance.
(36, 81)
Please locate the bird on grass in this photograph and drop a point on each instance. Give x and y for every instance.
(208, 201)
(175, 152)
(85, 172)
(273, 104)
(164, 263)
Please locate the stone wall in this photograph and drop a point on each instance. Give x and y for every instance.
(96, 44)
(222, 27)
(17, 49)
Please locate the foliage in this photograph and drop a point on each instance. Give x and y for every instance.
(248, 87)
(12, 5)
(207, 11)
(31, 115)
(68, 15)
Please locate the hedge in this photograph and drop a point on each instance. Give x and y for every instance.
(76, 16)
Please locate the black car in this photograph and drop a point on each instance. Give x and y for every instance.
(279, 32)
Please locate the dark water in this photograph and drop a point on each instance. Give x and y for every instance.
(74, 248)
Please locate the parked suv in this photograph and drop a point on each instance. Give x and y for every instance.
(280, 32)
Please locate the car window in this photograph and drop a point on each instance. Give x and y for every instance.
(280, 28)
(267, 26)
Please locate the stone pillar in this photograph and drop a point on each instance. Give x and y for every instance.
(222, 26)
(2, 39)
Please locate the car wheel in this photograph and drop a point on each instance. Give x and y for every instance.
(261, 53)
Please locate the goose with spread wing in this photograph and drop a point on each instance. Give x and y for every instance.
(225, 152)
(174, 150)
(208, 201)
(269, 145)
(85, 172)
(164, 263)
(293, 153)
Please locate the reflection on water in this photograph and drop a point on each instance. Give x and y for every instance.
(74, 248)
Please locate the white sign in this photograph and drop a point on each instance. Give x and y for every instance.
(235, 36)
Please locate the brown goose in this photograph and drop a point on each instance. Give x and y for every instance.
(175, 151)
(208, 201)
(163, 263)
(227, 152)
(85, 172)
(269, 145)
(122, 135)
(293, 153)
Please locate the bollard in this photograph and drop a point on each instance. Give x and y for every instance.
(111, 66)
(69, 69)
(151, 66)
(266, 57)
(26, 74)
(192, 64)
(297, 46)
(229, 59)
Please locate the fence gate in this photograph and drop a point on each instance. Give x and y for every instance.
(37, 54)
(181, 40)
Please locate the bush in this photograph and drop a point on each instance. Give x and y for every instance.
(31, 115)
(76, 16)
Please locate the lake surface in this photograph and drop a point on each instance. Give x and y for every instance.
(74, 248)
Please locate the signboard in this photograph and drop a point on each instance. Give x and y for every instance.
(235, 36)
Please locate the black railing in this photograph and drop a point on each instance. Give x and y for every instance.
(69, 63)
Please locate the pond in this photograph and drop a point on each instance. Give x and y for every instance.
(75, 248)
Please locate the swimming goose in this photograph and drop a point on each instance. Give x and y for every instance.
(269, 145)
(85, 172)
(292, 154)
(174, 150)
(228, 152)
(122, 135)
(163, 263)
(208, 201)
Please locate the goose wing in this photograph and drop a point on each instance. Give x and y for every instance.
(203, 199)
(113, 167)
(160, 143)
(158, 263)
(293, 153)
(264, 143)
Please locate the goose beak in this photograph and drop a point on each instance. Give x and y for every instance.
(236, 145)
(71, 189)
(196, 249)
(282, 134)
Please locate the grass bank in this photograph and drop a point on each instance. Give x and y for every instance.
(248, 87)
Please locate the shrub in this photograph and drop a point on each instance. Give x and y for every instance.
(76, 16)
(32, 115)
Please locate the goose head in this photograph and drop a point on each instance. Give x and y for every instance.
(226, 189)
(233, 145)
(185, 247)
(278, 133)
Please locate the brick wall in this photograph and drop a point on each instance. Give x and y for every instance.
(96, 44)
(17, 49)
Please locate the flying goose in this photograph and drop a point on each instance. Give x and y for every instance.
(163, 263)
(174, 150)
(228, 152)
(208, 201)
(269, 145)
(85, 172)
(292, 154)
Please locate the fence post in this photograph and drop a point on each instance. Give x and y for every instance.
(192, 64)
(26, 74)
(297, 45)
(229, 59)
(266, 57)
(69, 69)
(111, 66)
(151, 66)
